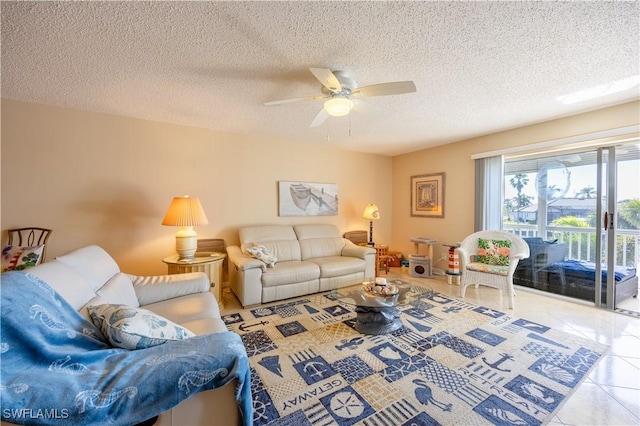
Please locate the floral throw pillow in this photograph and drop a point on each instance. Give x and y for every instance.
(493, 252)
(132, 328)
(260, 252)
(16, 258)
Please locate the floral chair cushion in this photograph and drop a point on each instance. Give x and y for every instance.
(16, 258)
(488, 269)
(493, 252)
(131, 328)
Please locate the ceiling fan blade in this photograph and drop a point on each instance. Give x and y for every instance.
(363, 107)
(288, 101)
(384, 89)
(320, 118)
(327, 78)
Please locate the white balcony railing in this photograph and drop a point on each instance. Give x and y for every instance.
(581, 241)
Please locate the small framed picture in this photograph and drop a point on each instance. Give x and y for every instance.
(427, 195)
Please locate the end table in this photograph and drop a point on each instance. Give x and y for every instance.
(208, 262)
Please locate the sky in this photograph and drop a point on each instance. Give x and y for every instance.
(584, 176)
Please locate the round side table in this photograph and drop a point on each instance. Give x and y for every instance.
(209, 263)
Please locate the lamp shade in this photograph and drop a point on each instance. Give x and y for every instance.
(338, 106)
(371, 212)
(185, 211)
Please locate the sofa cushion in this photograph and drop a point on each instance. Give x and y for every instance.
(290, 272)
(319, 240)
(260, 252)
(336, 266)
(280, 240)
(74, 288)
(119, 289)
(93, 263)
(533, 240)
(17, 258)
(132, 328)
(84, 311)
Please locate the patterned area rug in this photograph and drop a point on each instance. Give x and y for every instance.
(628, 312)
(452, 362)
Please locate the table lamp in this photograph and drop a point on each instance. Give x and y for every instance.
(371, 212)
(185, 212)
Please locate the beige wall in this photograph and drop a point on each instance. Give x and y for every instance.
(455, 161)
(108, 180)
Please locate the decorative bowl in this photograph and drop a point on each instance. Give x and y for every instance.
(385, 289)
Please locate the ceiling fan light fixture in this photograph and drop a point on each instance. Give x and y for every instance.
(338, 106)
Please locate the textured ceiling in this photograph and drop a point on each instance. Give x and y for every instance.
(479, 67)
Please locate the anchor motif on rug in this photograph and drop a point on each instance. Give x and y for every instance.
(504, 357)
(350, 344)
(245, 326)
(425, 396)
(315, 370)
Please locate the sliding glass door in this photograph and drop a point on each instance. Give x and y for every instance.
(566, 207)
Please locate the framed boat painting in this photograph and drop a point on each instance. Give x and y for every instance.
(427, 195)
(307, 199)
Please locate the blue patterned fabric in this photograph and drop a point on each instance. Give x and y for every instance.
(451, 363)
(58, 369)
(588, 270)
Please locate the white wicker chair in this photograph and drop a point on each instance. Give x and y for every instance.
(499, 277)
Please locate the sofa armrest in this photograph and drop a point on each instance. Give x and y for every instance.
(361, 252)
(244, 262)
(219, 404)
(157, 288)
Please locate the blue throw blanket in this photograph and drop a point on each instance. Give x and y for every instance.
(58, 369)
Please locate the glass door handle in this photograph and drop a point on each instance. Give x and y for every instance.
(608, 221)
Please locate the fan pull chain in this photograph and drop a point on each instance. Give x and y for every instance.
(328, 138)
(350, 114)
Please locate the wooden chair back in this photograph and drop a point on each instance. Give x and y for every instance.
(29, 237)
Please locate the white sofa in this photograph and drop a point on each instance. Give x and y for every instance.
(310, 258)
(89, 275)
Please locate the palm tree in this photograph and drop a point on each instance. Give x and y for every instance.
(586, 192)
(521, 200)
(630, 212)
(519, 181)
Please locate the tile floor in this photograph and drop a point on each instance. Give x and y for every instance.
(610, 395)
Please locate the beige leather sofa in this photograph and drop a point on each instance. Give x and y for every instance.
(89, 275)
(310, 259)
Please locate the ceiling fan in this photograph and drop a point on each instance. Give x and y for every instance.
(339, 90)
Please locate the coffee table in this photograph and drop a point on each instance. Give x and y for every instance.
(377, 314)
